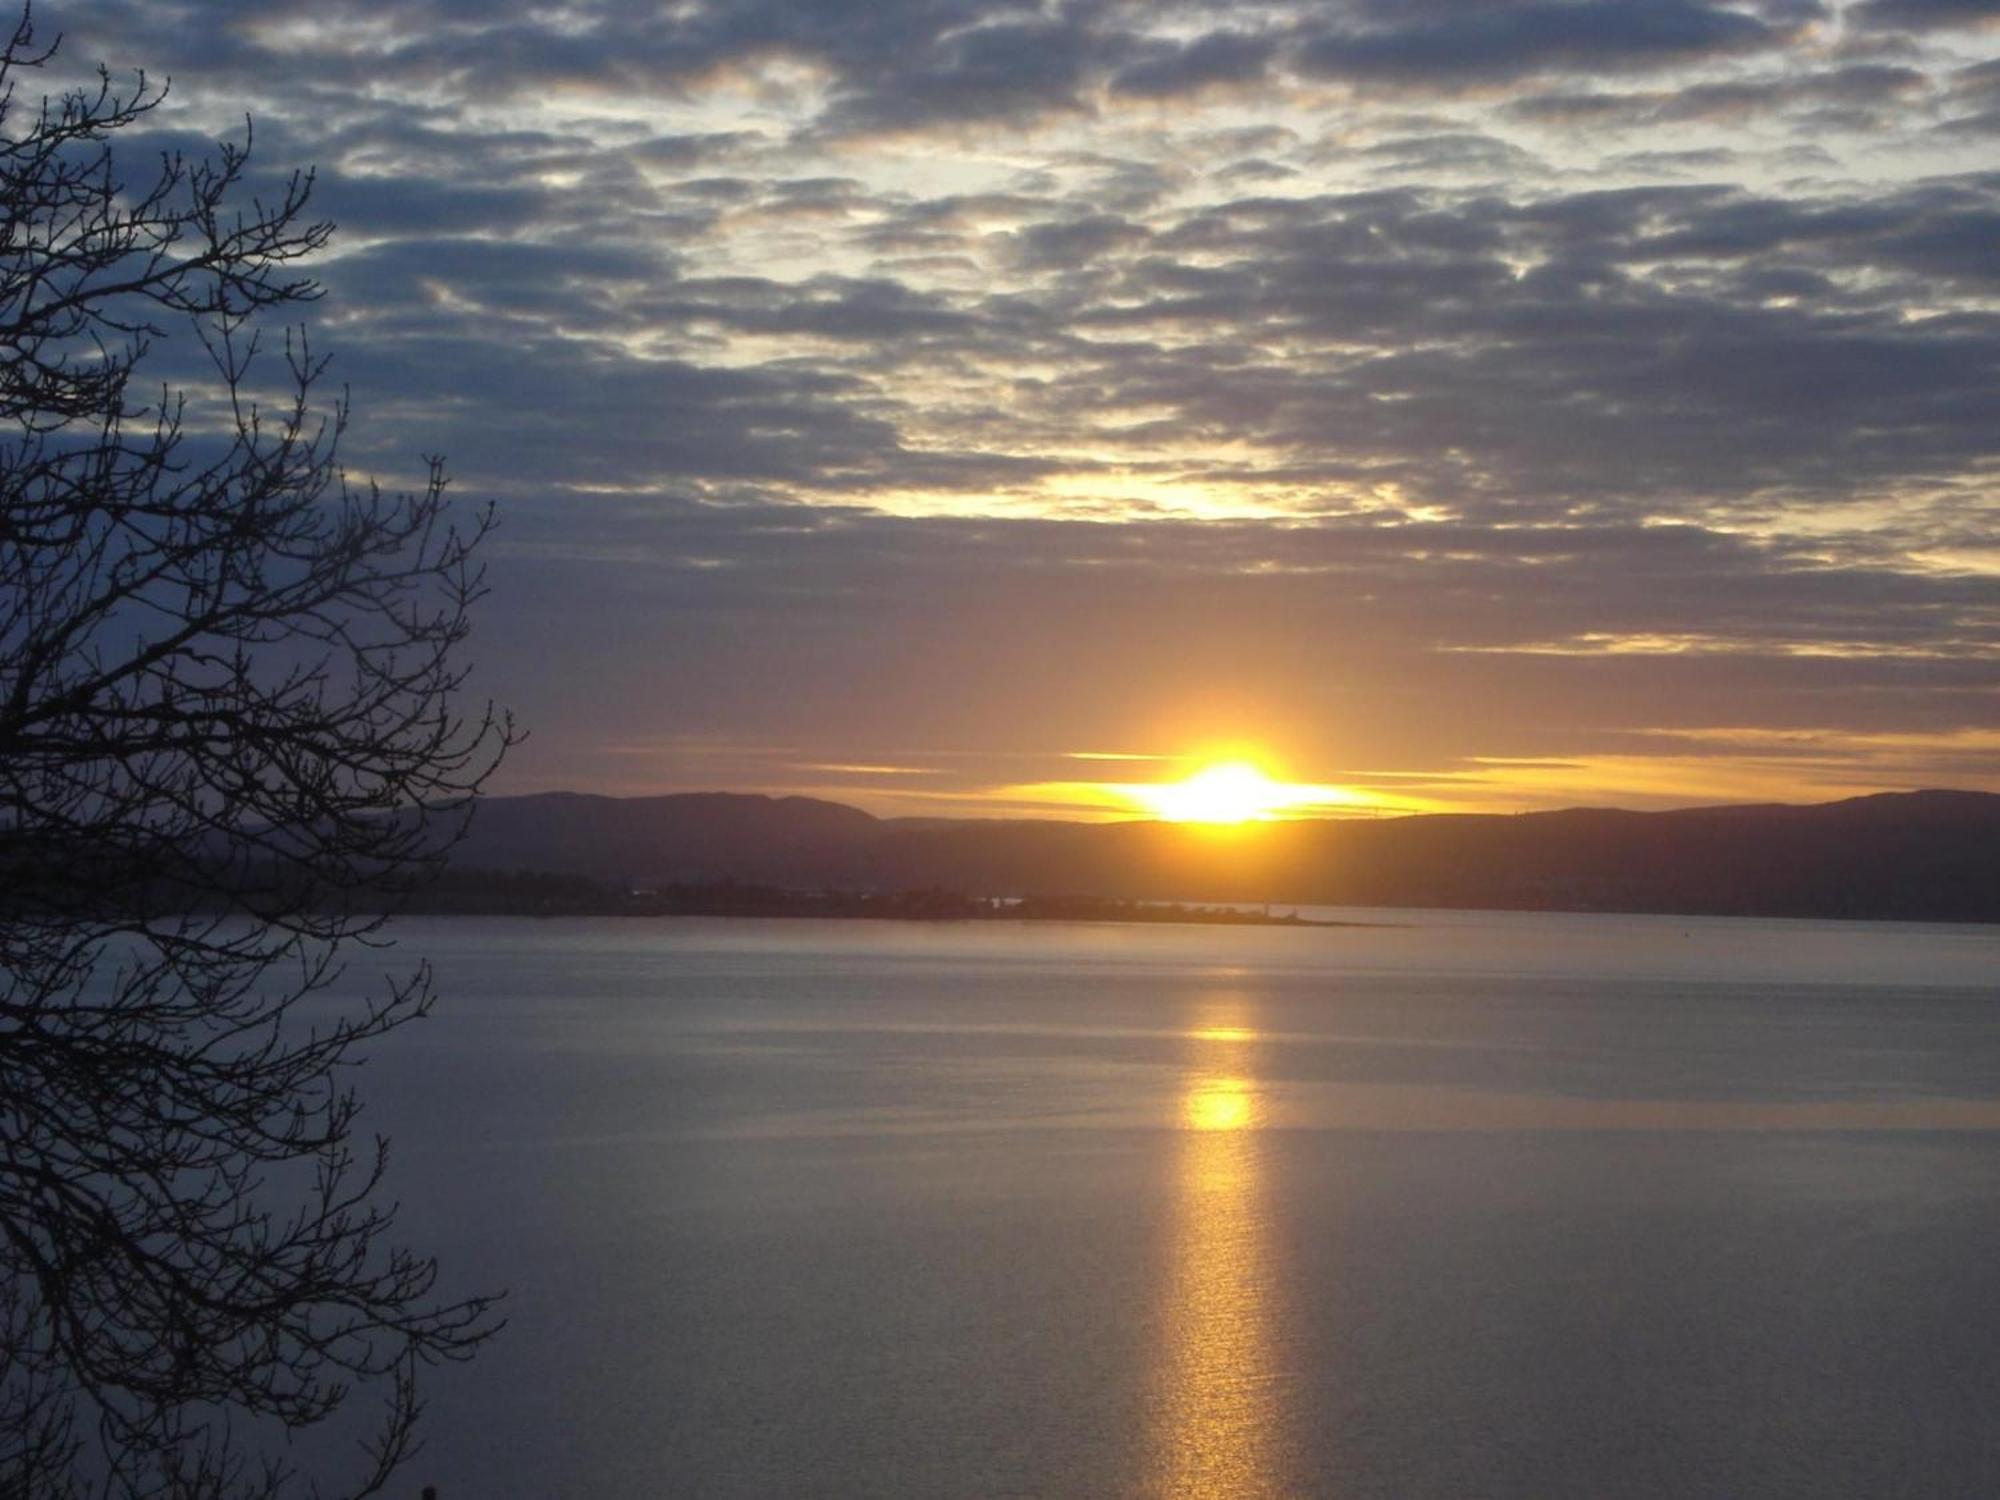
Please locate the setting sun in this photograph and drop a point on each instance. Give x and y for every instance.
(1232, 792)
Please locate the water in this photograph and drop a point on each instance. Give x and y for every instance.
(1466, 1205)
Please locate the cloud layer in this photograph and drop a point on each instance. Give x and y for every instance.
(1419, 388)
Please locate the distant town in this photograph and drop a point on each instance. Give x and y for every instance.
(525, 893)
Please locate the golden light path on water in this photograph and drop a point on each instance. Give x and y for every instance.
(1217, 1410)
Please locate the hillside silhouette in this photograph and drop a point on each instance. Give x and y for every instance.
(1930, 855)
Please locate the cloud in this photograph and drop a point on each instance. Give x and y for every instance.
(1862, 92)
(1924, 15)
(1522, 371)
(1456, 151)
(1065, 243)
(1215, 59)
(1012, 71)
(846, 629)
(1450, 46)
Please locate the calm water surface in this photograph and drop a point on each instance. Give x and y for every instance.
(1467, 1205)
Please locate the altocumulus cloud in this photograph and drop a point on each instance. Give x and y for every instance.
(1425, 382)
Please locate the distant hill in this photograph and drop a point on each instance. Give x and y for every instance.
(660, 840)
(1931, 855)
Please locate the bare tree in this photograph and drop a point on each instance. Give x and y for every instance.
(228, 733)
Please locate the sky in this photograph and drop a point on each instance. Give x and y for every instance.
(964, 407)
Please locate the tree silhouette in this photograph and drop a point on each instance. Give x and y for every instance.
(228, 731)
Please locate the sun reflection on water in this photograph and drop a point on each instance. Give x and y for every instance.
(1216, 1422)
(1219, 1104)
(1223, 1034)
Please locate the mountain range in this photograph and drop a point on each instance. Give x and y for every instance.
(1928, 855)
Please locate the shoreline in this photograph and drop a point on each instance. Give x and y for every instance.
(908, 906)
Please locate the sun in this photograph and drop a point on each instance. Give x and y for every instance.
(1231, 792)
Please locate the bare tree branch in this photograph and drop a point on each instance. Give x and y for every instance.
(230, 724)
